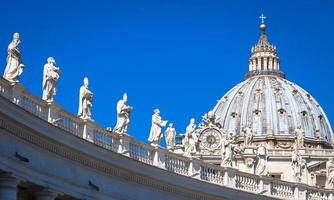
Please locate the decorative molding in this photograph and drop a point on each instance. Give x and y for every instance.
(28, 136)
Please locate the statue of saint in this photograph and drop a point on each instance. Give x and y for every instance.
(190, 138)
(123, 115)
(298, 165)
(262, 160)
(85, 101)
(14, 66)
(330, 173)
(299, 131)
(230, 149)
(248, 136)
(51, 74)
(157, 123)
(170, 134)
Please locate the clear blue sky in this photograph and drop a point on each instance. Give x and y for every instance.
(177, 55)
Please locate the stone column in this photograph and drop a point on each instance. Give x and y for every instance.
(45, 195)
(270, 66)
(8, 187)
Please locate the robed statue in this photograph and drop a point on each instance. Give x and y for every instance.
(170, 134)
(14, 66)
(190, 138)
(123, 115)
(157, 123)
(85, 101)
(51, 74)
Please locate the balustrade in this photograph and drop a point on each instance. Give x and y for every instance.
(105, 140)
(212, 174)
(141, 153)
(177, 164)
(247, 183)
(317, 195)
(282, 190)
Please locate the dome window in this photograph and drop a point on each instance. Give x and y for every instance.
(303, 113)
(281, 111)
(234, 114)
(320, 117)
(257, 112)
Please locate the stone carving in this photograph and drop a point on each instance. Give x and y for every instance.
(250, 162)
(85, 101)
(170, 134)
(262, 160)
(299, 131)
(248, 136)
(298, 165)
(230, 148)
(14, 67)
(123, 115)
(157, 123)
(209, 120)
(330, 173)
(190, 139)
(51, 74)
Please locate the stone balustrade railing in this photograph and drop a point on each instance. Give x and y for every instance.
(159, 157)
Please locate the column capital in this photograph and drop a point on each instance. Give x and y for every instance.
(45, 194)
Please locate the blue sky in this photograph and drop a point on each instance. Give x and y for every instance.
(177, 55)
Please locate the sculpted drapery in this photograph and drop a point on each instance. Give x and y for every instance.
(123, 115)
(190, 138)
(170, 134)
(14, 67)
(155, 133)
(51, 74)
(85, 101)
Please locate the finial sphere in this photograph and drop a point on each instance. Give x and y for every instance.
(263, 27)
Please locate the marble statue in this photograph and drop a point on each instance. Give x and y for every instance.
(14, 66)
(229, 151)
(51, 74)
(190, 138)
(209, 120)
(299, 131)
(157, 123)
(123, 115)
(330, 173)
(262, 160)
(85, 101)
(170, 134)
(248, 136)
(298, 165)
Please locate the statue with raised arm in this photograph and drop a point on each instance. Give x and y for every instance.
(155, 133)
(51, 74)
(330, 173)
(190, 138)
(123, 115)
(14, 66)
(85, 101)
(170, 134)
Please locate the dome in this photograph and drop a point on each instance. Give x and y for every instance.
(272, 106)
(268, 103)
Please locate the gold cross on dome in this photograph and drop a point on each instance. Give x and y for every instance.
(262, 17)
